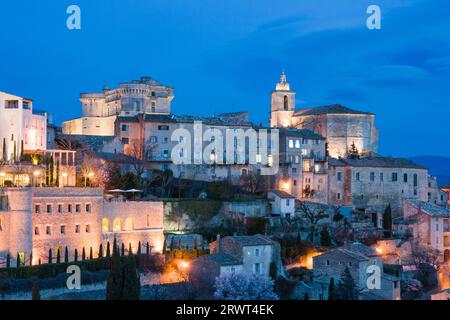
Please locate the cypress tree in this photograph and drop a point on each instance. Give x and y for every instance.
(50, 258)
(325, 239)
(114, 246)
(58, 256)
(75, 256)
(147, 249)
(130, 250)
(18, 261)
(91, 254)
(21, 150)
(387, 222)
(66, 255)
(179, 244)
(31, 259)
(164, 246)
(131, 284)
(171, 247)
(8, 261)
(4, 155)
(139, 249)
(273, 271)
(39, 262)
(14, 152)
(100, 251)
(115, 280)
(123, 249)
(35, 294)
(346, 287)
(331, 290)
(108, 250)
(83, 255)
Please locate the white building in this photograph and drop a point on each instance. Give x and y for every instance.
(22, 129)
(282, 203)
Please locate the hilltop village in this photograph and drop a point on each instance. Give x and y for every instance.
(303, 208)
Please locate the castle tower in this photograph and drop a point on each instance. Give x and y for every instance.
(21, 224)
(282, 104)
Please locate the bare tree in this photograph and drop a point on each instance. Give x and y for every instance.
(422, 254)
(313, 215)
(141, 152)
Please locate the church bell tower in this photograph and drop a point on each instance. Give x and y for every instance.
(282, 104)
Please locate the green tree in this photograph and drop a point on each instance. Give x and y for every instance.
(4, 155)
(75, 255)
(331, 290)
(91, 254)
(50, 258)
(387, 222)
(18, 261)
(35, 293)
(108, 250)
(66, 255)
(346, 287)
(100, 251)
(123, 280)
(139, 251)
(58, 256)
(273, 271)
(353, 152)
(325, 238)
(123, 249)
(83, 255)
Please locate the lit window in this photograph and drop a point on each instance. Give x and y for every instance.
(297, 144)
(291, 143)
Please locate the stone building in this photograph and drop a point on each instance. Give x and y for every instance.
(428, 224)
(235, 254)
(374, 182)
(341, 126)
(357, 258)
(22, 129)
(35, 220)
(100, 110)
(303, 164)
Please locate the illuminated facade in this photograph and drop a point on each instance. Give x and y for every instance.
(22, 129)
(341, 126)
(35, 220)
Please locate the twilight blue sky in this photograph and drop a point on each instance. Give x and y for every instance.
(227, 56)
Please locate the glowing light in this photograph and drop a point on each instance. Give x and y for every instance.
(379, 250)
(2, 174)
(65, 175)
(285, 185)
(183, 265)
(91, 174)
(37, 173)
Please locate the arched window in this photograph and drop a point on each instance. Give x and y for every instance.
(129, 225)
(105, 225)
(117, 225)
(286, 103)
